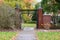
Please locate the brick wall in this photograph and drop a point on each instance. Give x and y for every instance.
(46, 19)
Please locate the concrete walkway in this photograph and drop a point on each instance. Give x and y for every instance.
(26, 34)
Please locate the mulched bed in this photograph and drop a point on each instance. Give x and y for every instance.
(49, 30)
(9, 30)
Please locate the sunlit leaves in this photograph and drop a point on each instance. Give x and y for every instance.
(23, 4)
(49, 6)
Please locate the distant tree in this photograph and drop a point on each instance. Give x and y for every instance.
(58, 1)
(34, 17)
(50, 6)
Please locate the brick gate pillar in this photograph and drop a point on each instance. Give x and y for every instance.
(17, 18)
(39, 18)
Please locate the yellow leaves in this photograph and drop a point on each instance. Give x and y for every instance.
(32, 7)
(26, 17)
(12, 4)
(29, 4)
(23, 4)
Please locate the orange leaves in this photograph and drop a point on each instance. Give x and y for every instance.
(1, 1)
(26, 1)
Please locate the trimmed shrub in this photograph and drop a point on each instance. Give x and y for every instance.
(6, 16)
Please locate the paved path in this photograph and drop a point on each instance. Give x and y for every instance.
(26, 34)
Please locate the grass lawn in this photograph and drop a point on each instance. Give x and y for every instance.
(48, 35)
(28, 25)
(7, 35)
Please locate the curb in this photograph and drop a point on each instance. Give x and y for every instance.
(13, 38)
(36, 36)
